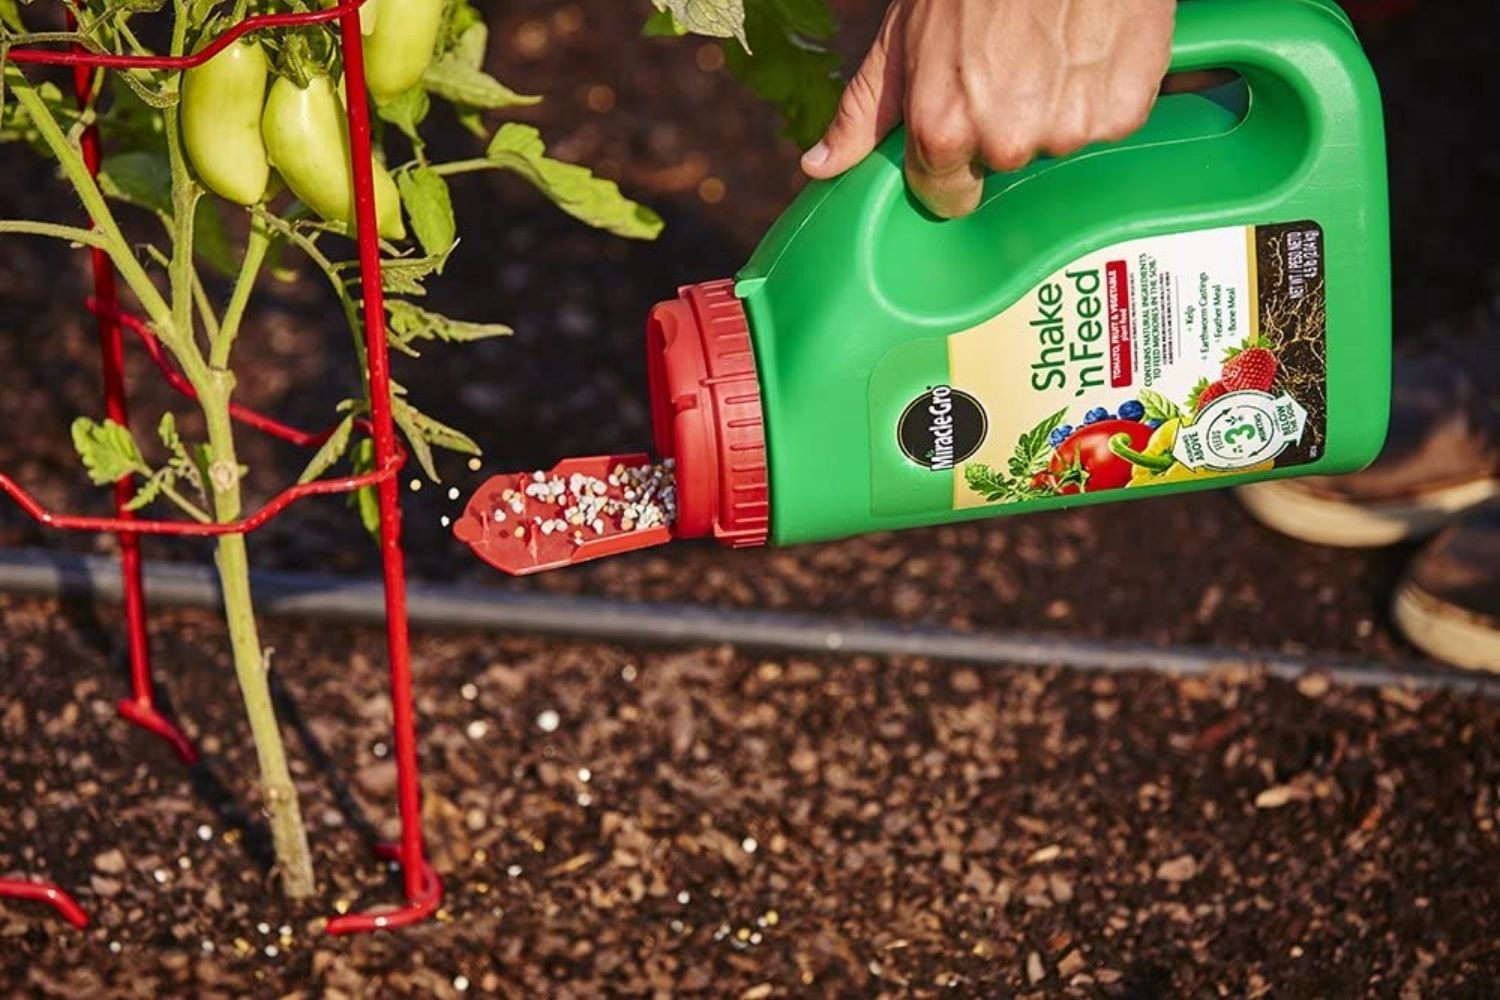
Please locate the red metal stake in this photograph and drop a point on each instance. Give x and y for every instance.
(423, 890)
(140, 708)
(45, 892)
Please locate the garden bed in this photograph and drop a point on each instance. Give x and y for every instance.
(710, 824)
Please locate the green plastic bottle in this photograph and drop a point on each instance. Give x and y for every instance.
(1203, 304)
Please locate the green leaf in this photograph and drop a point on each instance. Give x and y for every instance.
(107, 450)
(329, 452)
(472, 120)
(1033, 450)
(1158, 407)
(788, 68)
(456, 76)
(407, 111)
(10, 16)
(167, 431)
(16, 123)
(423, 432)
(404, 275)
(139, 177)
(808, 18)
(131, 123)
(365, 499)
(182, 463)
(715, 18)
(572, 188)
(425, 194)
(461, 17)
(410, 322)
(151, 488)
(661, 24)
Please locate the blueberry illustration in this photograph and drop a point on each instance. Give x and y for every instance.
(1095, 415)
(1132, 410)
(1059, 434)
(1153, 424)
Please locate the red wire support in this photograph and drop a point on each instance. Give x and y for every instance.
(45, 892)
(422, 888)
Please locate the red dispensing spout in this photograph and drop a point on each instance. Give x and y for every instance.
(710, 477)
(706, 412)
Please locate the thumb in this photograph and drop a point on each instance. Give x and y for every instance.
(869, 108)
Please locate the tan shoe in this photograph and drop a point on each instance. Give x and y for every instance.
(1441, 457)
(1448, 603)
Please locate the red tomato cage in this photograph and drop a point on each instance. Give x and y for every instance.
(423, 891)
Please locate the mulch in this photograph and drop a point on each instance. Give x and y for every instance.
(616, 821)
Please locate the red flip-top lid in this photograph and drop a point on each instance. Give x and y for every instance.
(706, 412)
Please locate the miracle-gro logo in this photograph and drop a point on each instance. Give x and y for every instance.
(942, 426)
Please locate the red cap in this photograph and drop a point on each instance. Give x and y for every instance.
(706, 411)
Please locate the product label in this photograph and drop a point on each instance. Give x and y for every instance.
(1159, 360)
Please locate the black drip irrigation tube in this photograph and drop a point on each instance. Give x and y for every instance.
(430, 605)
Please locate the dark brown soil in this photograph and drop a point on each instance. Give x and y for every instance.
(705, 824)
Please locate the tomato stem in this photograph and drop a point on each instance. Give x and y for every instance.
(1120, 445)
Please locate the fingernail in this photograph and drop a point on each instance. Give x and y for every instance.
(816, 156)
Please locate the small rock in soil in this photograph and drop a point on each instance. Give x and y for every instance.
(1179, 869)
(111, 862)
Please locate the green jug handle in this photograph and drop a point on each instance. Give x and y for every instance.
(1298, 50)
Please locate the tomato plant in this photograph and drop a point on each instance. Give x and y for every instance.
(212, 174)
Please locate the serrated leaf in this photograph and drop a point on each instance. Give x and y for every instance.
(404, 275)
(789, 70)
(166, 429)
(139, 177)
(1033, 448)
(425, 195)
(715, 18)
(572, 188)
(420, 449)
(151, 488)
(329, 451)
(406, 111)
(182, 463)
(456, 76)
(423, 432)
(107, 450)
(409, 322)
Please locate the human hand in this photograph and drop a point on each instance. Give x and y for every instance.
(994, 83)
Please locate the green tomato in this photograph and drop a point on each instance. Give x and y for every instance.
(399, 46)
(221, 102)
(307, 138)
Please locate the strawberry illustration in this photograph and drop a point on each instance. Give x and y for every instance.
(1206, 392)
(1249, 367)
